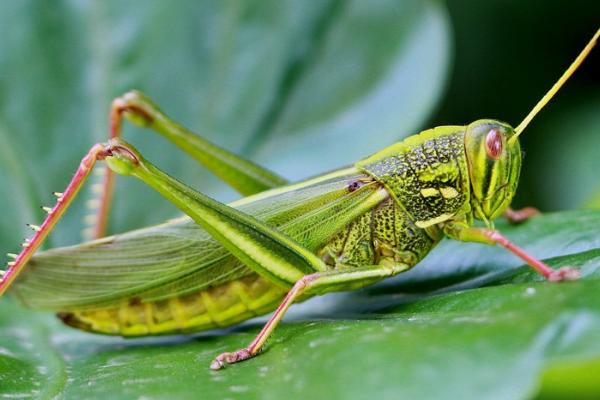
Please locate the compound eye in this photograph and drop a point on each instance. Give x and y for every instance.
(493, 143)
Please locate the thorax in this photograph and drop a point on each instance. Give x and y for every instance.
(426, 174)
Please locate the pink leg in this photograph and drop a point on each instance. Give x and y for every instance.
(521, 215)
(550, 274)
(97, 152)
(254, 347)
(100, 220)
(118, 108)
(319, 282)
(465, 233)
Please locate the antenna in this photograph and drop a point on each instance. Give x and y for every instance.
(557, 85)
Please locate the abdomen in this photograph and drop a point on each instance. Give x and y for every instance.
(219, 306)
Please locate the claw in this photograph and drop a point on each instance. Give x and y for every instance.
(522, 215)
(47, 209)
(12, 255)
(564, 274)
(217, 364)
(230, 358)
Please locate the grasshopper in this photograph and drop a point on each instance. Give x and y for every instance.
(284, 242)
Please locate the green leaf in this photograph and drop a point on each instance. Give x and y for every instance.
(470, 319)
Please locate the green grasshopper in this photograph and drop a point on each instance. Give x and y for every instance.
(226, 263)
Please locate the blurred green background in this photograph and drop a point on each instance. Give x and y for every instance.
(506, 55)
(305, 87)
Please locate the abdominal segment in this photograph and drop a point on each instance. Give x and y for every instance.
(219, 306)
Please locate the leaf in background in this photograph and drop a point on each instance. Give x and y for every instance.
(593, 202)
(382, 342)
(339, 78)
(361, 90)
